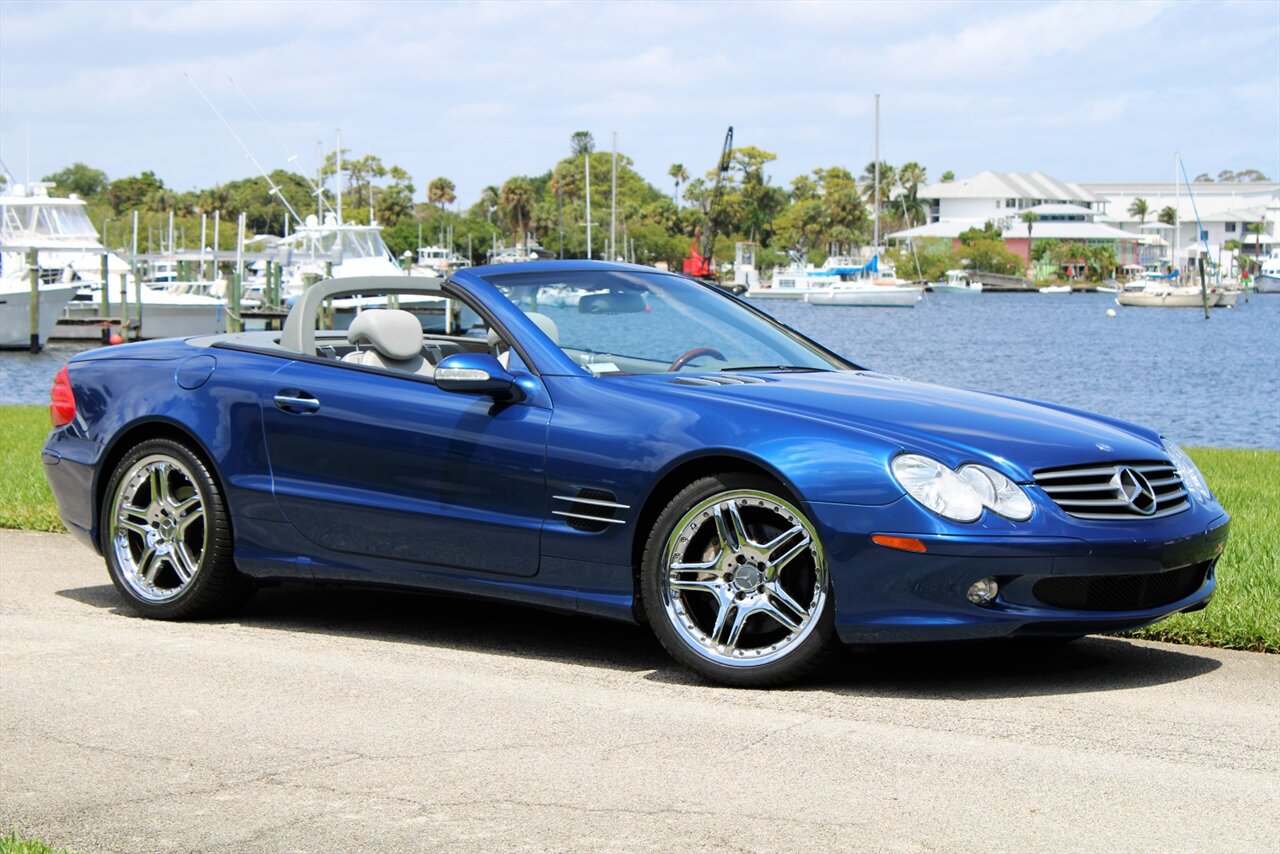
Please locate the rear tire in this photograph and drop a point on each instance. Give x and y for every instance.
(166, 535)
(735, 585)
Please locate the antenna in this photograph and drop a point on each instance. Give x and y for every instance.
(275, 190)
(289, 157)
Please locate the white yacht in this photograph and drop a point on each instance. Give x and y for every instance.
(865, 294)
(60, 232)
(70, 255)
(439, 261)
(798, 281)
(329, 249)
(1268, 279)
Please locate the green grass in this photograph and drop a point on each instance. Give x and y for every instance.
(14, 844)
(25, 499)
(1245, 614)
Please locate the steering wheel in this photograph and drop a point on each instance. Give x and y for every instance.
(693, 354)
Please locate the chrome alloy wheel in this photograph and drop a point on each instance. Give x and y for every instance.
(158, 531)
(745, 578)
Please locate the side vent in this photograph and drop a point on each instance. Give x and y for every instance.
(590, 510)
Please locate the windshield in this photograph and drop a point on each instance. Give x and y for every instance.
(647, 323)
(52, 220)
(352, 243)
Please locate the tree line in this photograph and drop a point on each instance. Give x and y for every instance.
(826, 211)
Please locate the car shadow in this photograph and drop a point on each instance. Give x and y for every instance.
(963, 670)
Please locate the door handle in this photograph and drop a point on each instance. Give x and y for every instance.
(295, 401)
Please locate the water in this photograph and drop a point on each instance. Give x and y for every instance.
(1214, 382)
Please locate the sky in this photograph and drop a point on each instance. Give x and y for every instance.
(478, 92)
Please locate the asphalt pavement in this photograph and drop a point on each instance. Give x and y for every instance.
(340, 720)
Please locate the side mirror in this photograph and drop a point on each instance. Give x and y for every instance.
(477, 373)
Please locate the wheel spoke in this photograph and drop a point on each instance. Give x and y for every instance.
(160, 486)
(727, 606)
(740, 615)
(181, 508)
(726, 529)
(777, 592)
(182, 562)
(778, 561)
(190, 518)
(688, 585)
(705, 566)
(123, 524)
(777, 614)
(149, 565)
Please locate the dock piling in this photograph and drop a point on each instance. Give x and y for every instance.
(1204, 287)
(105, 276)
(33, 310)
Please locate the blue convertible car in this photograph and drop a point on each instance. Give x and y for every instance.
(618, 441)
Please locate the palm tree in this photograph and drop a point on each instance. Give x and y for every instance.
(1139, 209)
(911, 176)
(1168, 215)
(516, 199)
(490, 196)
(888, 177)
(440, 192)
(1257, 229)
(582, 142)
(680, 175)
(1030, 218)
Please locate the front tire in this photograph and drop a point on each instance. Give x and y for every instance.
(167, 535)
(735, 584)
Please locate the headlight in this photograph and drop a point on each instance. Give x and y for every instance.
(1191, 477)
(998, 493)
(937, 487)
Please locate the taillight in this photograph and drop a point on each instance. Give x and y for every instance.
(62, 402)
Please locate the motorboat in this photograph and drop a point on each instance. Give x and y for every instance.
(330, 249)
(66, 244)
(1160, 295)
(957, 282)
(1054, 289)
(439, 261)
(799, 280)
(1268, 279)
(865, 294)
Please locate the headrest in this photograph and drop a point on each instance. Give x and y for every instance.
(394, 333)
(546, 324)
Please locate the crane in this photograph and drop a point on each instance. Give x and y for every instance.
(700, 264)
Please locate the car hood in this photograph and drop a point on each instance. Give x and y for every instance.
(952, 424)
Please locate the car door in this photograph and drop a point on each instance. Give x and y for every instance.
(390, 466)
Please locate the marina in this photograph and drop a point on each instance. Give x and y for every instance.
(1211, 383)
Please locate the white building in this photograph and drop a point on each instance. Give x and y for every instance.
(1225, 211)
(1100, 212)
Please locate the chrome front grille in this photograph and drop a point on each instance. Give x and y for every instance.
(1145, 489)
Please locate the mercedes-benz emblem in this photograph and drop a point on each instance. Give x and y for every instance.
(1134, 488)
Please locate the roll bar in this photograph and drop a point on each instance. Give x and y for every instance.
(300, 326)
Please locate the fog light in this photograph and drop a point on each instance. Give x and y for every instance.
(983, 592)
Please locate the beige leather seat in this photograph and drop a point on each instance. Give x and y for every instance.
(546, 324)
(393, 339)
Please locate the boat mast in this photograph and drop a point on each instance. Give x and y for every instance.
(876, 208)
(1177, 214)
(613, 204)
(338, 175)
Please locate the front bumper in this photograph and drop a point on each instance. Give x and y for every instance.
(1123, 576)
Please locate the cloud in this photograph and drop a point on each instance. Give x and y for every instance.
(479, 91)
